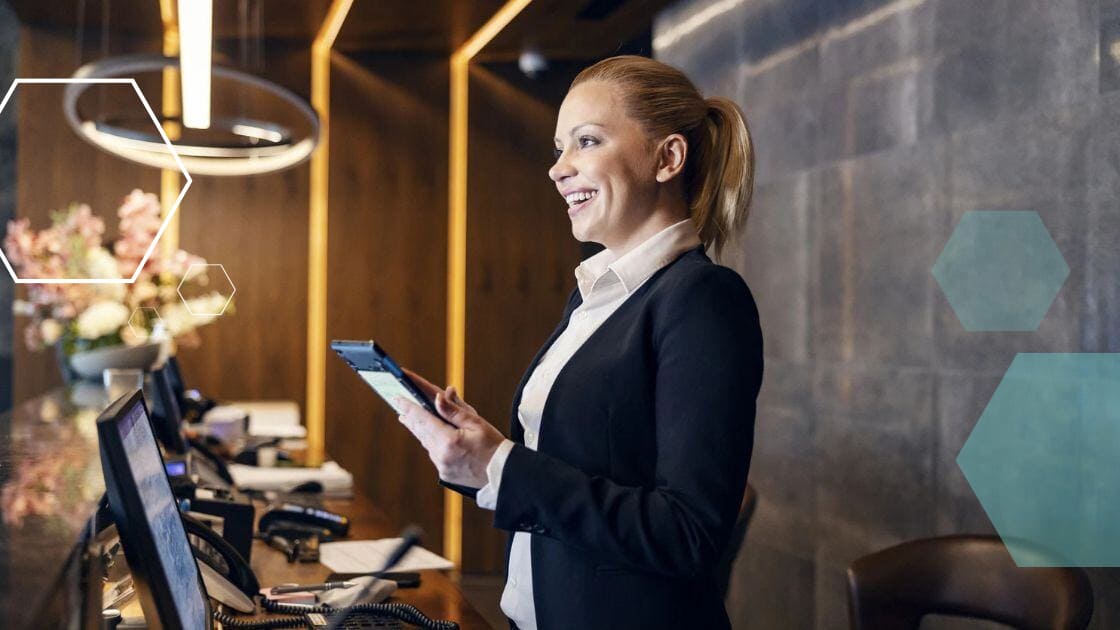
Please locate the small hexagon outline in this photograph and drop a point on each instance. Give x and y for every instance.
(940, 262)
(166, 221)
(184, 300)
(137, 310)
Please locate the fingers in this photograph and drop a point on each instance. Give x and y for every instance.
(457, 415)
(422, 382)
(428, 429)
(453, 395)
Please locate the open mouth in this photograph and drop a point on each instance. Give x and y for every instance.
(577, 200)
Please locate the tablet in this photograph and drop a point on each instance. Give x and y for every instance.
(382, 373)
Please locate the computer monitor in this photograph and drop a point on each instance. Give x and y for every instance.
(175, 377)
(167, 416)
(163, 567)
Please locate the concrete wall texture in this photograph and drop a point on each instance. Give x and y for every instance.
(877, 126)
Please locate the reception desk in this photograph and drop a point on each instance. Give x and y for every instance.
(50, 484)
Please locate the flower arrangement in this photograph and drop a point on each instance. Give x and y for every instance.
(83, 317)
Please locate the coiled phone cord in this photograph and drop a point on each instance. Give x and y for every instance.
(295, 616)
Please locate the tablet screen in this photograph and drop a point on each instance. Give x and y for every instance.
(388, 387)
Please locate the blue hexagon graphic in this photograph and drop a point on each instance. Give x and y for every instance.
(1043, 459)
(1000, 270)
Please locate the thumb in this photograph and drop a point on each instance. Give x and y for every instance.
(451, 412)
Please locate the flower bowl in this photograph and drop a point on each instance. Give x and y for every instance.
(90, 364)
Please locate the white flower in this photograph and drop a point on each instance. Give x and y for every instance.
(99, 263)
(101, 318)
(50, 330)
(23, 307)
(144, 290)
(178, 319)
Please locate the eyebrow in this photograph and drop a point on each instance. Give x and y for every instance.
(584, 124)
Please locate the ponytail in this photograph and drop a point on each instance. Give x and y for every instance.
(719, 171)
(723, 174)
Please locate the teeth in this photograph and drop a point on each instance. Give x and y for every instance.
(579, 197)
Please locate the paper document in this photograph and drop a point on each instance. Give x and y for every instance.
(364, 556)
(273, 418)
(336, 480)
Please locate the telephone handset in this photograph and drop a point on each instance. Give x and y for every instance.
(213, 461)
(225, 573)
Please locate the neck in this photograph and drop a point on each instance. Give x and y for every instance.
(664, 215)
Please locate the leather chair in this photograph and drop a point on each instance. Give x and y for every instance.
(738, 534)
(963, 576)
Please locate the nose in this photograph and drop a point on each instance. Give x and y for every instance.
(562, 168)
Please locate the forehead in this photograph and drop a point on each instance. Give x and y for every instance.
(590, 101)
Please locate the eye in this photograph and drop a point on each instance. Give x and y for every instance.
(585, 141)
(556, 153)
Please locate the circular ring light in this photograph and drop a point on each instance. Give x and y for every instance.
(267, 147)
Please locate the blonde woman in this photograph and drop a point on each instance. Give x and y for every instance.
(632, 428)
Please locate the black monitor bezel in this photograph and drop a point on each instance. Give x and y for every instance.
(175, 378)
(168, 424)
(140, 549)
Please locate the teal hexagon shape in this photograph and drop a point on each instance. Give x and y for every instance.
(1044, 459)
(1000, 270)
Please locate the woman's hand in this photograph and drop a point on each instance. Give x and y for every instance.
(460, 452)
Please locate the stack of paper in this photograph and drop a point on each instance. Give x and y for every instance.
(336, 480)
(273, 418)
(365, 556)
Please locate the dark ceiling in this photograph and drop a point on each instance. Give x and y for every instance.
(563, 29)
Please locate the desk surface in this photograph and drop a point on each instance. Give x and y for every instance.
(50, 482)
(437, 597)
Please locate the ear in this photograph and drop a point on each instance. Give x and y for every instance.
(671, 155)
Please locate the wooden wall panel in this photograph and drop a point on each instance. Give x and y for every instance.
(54, 167)
(520, 254)
(388, 262)
(256, 227)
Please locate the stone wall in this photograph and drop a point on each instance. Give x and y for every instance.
(877, 125)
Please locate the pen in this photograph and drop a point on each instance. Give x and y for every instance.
(298, 588)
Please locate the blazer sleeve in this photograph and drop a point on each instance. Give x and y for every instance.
(708, 346)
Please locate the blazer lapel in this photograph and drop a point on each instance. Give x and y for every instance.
(516, 432)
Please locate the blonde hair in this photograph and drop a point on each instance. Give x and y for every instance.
(719, 169)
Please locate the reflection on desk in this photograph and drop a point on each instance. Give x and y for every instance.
(50, 481)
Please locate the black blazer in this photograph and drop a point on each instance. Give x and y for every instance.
(642, 459)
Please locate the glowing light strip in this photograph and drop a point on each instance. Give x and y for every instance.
(196, 38)
(457, 241)
(315, 416)
(169, 178)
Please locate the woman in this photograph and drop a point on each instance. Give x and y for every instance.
(634, 423)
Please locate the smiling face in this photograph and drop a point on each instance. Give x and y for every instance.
(605, 166)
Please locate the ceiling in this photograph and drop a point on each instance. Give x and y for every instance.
(566, 29)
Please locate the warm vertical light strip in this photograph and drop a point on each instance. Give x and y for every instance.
(457, 241)
(170, 179)
(315, 411)
(196, 37)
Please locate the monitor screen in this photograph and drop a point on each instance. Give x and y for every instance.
(167, 417)
(175, 377)
(151, 528)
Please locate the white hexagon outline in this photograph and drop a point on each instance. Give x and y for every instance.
(137, 310)
(170, 147)
(187, 275)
